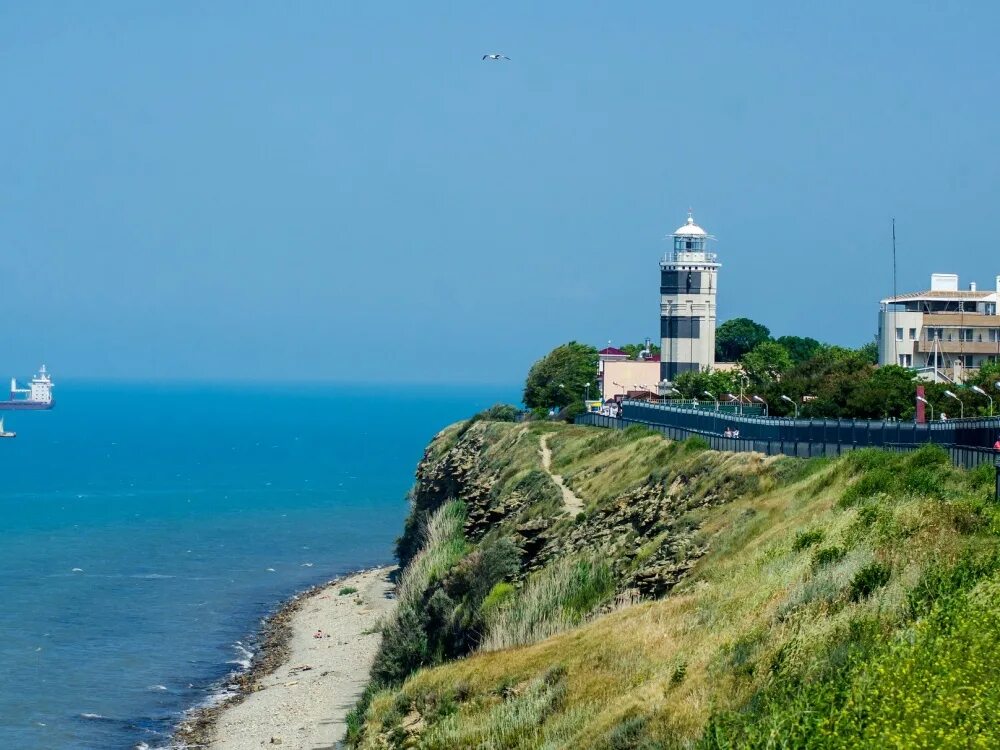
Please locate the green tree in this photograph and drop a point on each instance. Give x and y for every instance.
(800, 348)
(737, 337)
(886, 392)
(766, 362)
(693, 384)
(870, 352)
(560, 377)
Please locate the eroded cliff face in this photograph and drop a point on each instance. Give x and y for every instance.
(647, 532)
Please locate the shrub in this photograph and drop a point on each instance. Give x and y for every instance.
(806, 539)
(696, 444)
(345, 590)
(874, 482)
(873, 576)
(498, 595)
(943, 580)
(828, 555)
(478, 572)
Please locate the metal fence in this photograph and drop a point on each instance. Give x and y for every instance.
(830, 441)
(975, 433)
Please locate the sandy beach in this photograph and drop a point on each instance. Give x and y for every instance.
(304, 686)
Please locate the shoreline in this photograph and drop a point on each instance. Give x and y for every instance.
(298, 689)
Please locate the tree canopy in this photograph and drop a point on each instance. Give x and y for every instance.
(766, 362)
(800, 348)
(737, 337)
(560, 377)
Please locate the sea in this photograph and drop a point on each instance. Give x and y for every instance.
(146, 529)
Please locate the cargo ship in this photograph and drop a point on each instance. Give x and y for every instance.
(38, 394)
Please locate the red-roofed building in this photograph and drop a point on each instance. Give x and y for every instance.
(610, 353)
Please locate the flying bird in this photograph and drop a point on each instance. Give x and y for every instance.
(495, 56)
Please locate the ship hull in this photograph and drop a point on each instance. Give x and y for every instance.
(25, 405)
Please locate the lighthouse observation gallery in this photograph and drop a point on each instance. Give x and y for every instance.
(688, 276)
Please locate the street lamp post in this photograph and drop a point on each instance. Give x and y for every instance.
(759, 400)
(928, 404)
(706, 393)
(981, 392)
(587, 386)
(961, 414)
(794, 405)
(744, 384)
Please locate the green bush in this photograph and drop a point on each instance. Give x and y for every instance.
(696, 444)
(943, 580)
(807, 539)
(871, 577)
(479, 571)
(498, 595)
(828, 555)
(345, 590)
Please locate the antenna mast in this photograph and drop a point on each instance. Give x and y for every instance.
(895, 355)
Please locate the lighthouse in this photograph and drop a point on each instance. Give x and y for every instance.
(688, 276)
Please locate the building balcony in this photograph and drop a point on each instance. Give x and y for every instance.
(961, 319)
(956, 347)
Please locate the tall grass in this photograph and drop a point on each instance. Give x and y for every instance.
(444, 544)
(555, 599)
(513, 723)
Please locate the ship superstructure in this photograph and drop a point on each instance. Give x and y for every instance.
(38, 394)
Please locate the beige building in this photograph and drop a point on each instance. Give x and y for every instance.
(941, 332)
(623, 375)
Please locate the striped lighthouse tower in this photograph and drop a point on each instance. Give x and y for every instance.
(688, 275)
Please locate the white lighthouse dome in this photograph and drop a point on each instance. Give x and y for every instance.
(690, 229)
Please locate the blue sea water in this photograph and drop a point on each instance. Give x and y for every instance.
(145, 530)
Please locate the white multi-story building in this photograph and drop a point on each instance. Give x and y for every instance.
(688, 276)
(941, 332)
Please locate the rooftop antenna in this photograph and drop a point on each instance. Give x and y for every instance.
(895, 356)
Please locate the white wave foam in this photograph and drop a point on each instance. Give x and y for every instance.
(91, 716)
(157, 688)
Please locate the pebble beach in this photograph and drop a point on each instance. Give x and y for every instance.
(314, 665)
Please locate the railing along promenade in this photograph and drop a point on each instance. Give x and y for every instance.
(968, 441)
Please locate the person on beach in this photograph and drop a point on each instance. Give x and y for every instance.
(996, 445)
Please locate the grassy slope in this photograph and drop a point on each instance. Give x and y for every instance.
(821, 581)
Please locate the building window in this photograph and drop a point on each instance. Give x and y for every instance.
(994, 335)
(905, 360)
(913, 334)
(899, 334)
(968, 334)
(968, 360)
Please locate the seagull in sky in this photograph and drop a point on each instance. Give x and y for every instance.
(495, 56)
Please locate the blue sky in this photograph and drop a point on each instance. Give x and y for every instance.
(346, 191)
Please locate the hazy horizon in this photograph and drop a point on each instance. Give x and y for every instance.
(349, 193)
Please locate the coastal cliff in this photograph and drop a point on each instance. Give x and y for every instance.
(698, 598)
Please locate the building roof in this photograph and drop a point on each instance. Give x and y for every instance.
(610, 351)
(933, 294)
(690, 229)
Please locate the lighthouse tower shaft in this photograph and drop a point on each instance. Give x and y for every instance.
(688, 285)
